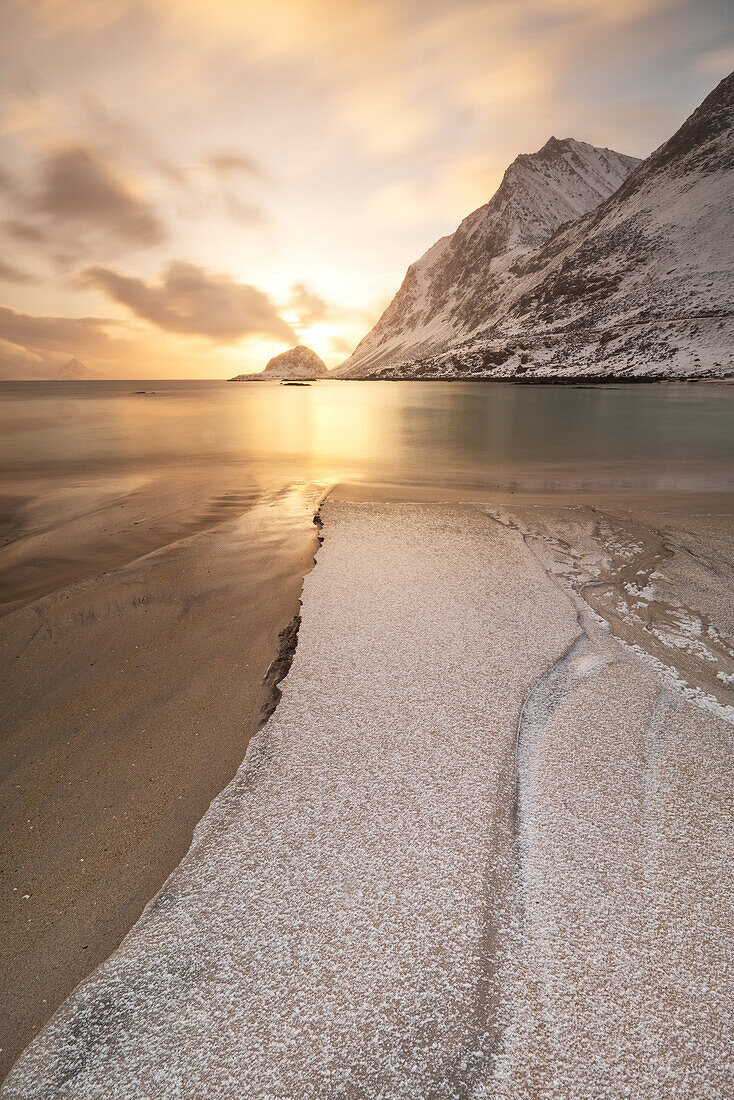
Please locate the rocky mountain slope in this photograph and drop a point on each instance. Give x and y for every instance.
(640, 286)
(450, 290)
(298, 364)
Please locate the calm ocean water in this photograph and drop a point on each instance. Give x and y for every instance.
(470, 435)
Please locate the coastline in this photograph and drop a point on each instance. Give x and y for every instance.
(153, 554)
(611, 765)
(129, 698)
(547, 380)
(519, 379)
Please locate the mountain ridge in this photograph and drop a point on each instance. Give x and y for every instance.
(641, 285)
(444, 290)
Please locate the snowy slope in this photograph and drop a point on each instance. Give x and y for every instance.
(452, 289)
(642, 286)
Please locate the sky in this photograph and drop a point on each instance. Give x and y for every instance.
(188, 187)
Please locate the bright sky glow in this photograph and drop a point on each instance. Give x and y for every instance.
(187, 187)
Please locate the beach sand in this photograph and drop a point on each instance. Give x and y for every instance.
(133, 656)
(480, 849)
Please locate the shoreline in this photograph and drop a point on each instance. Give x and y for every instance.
(304, 843)
(132, 854)
(589, 379)
(112, 751)
(550, 380)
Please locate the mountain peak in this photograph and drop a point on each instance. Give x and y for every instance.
(704, 141)
(297, 364)
(75, 370)
(631, 275)
(554, 147)
(554, 144)
(448, 292)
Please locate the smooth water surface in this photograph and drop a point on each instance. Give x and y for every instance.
(474, 435)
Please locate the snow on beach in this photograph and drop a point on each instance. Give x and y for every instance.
(363, 913)
(624, 785)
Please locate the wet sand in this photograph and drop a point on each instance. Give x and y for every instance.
(131, 684)
(482, 847)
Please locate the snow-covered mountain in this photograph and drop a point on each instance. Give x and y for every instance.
(296, 364)
(450, 291)
(640, 286)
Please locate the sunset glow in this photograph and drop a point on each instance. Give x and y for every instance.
(188, 188)
(366, 549)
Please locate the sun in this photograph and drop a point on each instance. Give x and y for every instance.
(319, 337)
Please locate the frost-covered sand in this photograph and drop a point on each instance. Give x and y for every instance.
(481, 849)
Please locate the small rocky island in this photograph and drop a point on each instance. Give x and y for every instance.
(298, 364)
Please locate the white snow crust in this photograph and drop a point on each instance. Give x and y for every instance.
(478, 851)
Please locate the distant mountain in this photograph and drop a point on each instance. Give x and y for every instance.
(74, 370)
(640, 286)
(298, 364)
(71, 371)
(462, 279)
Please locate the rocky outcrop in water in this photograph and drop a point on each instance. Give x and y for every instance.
(298, 364)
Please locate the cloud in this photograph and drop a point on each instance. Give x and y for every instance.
(247, 213)
(33, 346)
(7, 183)
(119, 136)
(78, 186)
(24, 231)
(202, 183)
(87, 16)
(9, 273)
(76, 205)
(309, 306)
(70, 335)
(191, 301)
(226, 163)
(18, 362)
(396, 75)
(13, 355)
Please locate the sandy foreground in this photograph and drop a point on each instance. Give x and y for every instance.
(133, 653)
(481, 849)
